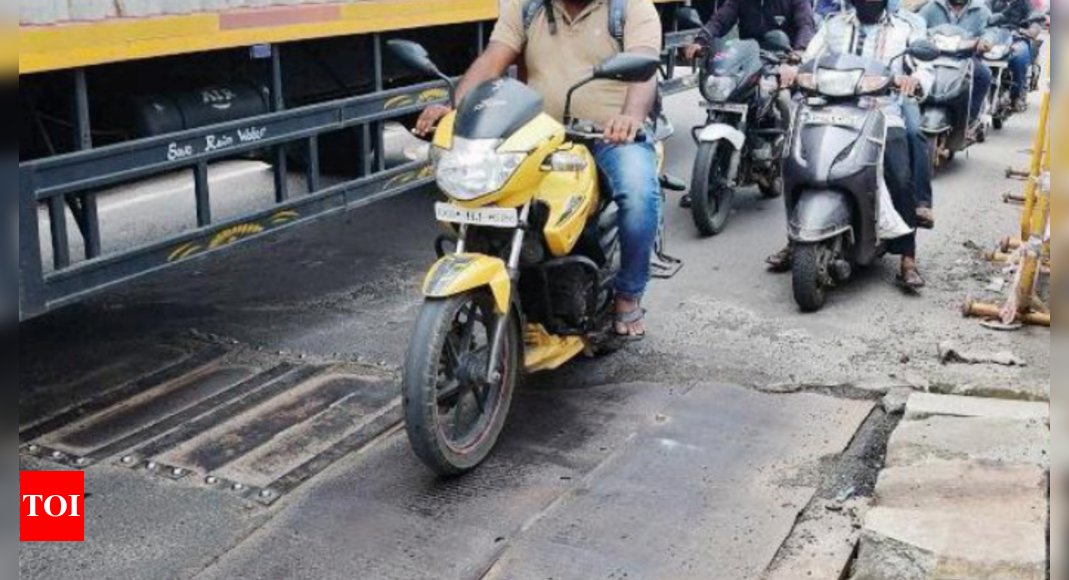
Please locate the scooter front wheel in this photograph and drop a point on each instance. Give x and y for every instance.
(810, 276)
(454, 412)
(712, 198)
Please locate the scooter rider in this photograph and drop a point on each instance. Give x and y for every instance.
(1015, 14)
(974, 17)
(870, 30)
(559, 45)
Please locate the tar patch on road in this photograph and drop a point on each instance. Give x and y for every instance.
(251, 425)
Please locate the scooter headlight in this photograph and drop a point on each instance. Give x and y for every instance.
(946, 43)
(998, 53)
(836, 83)
(474, 169)
(720, 89)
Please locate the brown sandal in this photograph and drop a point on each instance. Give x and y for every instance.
(781, 261)
(911, 279)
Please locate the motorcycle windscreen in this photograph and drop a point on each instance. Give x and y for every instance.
(739, 60)
(496, 110)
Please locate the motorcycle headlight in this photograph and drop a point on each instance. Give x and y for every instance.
(836, 83)
(474, 169)
(719, 89)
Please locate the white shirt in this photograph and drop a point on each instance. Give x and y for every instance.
(883, 42)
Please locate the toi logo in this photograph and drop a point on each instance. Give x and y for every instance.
(52, 506)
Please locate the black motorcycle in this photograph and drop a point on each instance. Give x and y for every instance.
(946, 109)
(743, 140)
(834, 170)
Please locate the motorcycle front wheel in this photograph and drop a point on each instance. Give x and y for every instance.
(810, 273)
(453, 413)
(712, 198)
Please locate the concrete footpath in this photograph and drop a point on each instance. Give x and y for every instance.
(964, 495)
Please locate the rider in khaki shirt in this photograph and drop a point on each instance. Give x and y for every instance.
(552, 64)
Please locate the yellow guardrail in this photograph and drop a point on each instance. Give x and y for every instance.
(1030, 253)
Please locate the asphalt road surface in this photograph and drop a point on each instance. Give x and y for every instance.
(237, 419)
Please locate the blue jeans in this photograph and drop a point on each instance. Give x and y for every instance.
(631, 173)
(919, 154)
(1020, 62)
(981, 86)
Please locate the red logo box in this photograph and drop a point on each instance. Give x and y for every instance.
(53, 506)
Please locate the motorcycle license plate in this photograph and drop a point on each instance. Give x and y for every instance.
(834, 119)
(491, 217)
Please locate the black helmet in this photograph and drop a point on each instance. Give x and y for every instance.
(870, 11)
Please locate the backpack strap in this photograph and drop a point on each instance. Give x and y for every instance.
(618, 21)
(617, 17)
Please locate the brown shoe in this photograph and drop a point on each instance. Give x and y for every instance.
(781, 261)
(925, 218)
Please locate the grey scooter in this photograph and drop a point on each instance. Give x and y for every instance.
(833, 173)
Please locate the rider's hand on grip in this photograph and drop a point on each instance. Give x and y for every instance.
(788, 76)
(623, 129)
(428, 121)
(695, 50)
(910, 86)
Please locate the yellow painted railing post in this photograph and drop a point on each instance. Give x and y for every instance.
(1039, 154)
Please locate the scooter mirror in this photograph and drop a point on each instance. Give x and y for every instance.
(924, 51)
(689, 19)
(628, 68)
(413, 56)
(1038, 18)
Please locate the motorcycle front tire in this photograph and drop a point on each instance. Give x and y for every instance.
(426, 365)
(712, 199)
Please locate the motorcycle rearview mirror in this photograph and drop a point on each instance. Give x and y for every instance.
(625, 68)
(776, 41)
(924, 51)
(628, 68)
(416, 58)
(689, 19)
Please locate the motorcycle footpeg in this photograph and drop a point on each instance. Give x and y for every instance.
(665, 267)
(671, 183)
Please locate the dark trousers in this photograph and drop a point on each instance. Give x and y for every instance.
(919, 154)
(900, 182)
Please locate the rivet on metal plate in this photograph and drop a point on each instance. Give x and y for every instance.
(129, 459)
(211, 480)
(151, 466)
(238, 487)
(178, 472)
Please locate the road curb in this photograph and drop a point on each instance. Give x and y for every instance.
(965, 494)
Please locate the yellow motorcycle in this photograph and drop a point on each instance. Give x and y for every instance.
(530, 284)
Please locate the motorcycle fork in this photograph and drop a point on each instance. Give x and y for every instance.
(493, 376)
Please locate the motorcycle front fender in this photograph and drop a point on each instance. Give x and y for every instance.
(936, 120)
(820, 215)
(722, 132)
(459, 273)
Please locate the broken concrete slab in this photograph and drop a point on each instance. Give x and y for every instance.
(923, 405)
(1004, 441)
(821, 547)
(900, 544)
(1011, 392)
(895, 402)
(950, 353)
(1015, 493)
